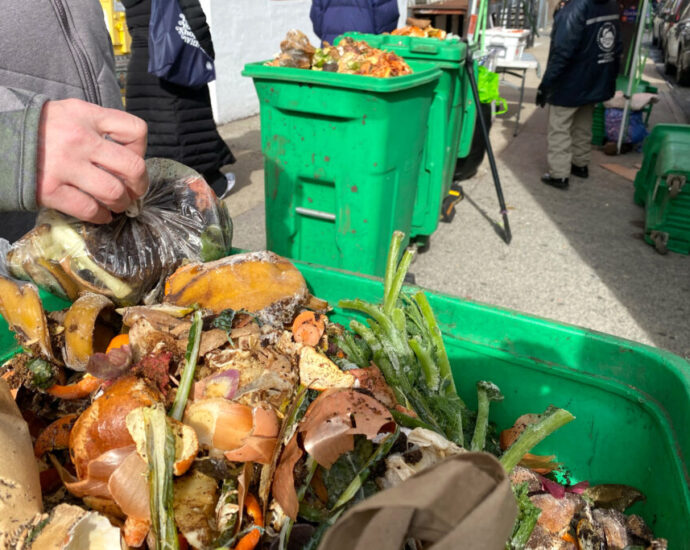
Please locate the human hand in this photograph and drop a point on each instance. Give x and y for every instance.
(80, 172)
(541, 97)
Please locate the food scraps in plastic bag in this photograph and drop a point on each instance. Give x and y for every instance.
(296, 51)
(127, 259)
(348, 57)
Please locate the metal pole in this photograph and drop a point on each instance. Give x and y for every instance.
(633, 71)
(473, 23)
(469, 67)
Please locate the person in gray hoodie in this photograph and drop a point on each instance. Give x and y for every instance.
(65, 142)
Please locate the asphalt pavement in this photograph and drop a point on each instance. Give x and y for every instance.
(577, 256)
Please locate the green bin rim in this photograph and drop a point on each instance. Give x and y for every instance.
(414, 47)
(422, 73)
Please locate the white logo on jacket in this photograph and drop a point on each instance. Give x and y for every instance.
(185, 32)
(606, 39)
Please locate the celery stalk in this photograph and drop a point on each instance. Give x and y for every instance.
(190, 360)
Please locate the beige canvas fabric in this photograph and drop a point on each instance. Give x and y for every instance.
(569, 138)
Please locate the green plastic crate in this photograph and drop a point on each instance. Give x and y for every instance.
(341, 155)
(631, 401)
(662, 186)
(445, 119)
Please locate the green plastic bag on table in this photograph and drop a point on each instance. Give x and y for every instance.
(487, 85)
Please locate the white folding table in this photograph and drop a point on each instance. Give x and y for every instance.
(518, 68)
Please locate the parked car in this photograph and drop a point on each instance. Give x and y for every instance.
(677, 54)
(662, 9)
(670, 19)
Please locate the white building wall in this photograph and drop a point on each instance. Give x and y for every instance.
(251, 30)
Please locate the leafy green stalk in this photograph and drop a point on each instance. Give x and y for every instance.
(388, 361)
(396, 339)
(190, 361)
(407, 421)
(402, 359)
(391, 297)
(355, 353)
(437, 338)
(392, 262)
(356, 484)
(382, 362)
(486, 392)
(160, 453)
(550, 421)
(526, 520)
(429, 368)
(449, 412)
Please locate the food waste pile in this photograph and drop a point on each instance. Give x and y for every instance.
(235, 414)
(348, 57)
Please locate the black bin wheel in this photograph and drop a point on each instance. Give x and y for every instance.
(660, 239)
(448, 209)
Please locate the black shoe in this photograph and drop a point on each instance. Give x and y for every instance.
(558, 183)
(579, 171)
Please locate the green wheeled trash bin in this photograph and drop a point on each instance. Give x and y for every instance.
(341, 157)
(445, 120)
(661, 185)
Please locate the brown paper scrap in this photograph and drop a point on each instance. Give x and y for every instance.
(464, 501)
(623, 171)
(20, 488)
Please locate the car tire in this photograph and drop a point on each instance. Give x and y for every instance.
(682, 72)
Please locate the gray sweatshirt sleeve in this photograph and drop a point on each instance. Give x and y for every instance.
(20, 113)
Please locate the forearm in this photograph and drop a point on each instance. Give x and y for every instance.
(20, 114)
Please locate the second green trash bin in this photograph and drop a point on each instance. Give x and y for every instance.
(341, 157)
(445, 119)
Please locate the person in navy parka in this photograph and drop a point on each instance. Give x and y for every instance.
(331, 18)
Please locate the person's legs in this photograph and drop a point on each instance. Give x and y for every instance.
(582, 135)
(559, 140)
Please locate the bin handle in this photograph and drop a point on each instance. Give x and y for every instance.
(424, 48)
(318, 214)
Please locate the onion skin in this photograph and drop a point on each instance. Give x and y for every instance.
(102, 426)
(129, 488)
(242, 433)
(230, 378)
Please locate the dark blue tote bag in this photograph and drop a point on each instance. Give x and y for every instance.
(175, 54)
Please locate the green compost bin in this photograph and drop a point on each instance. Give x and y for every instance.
(341, 157)
(662, 187)
(445, 119)
(631, 401)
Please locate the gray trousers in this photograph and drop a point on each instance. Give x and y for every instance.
(569, 138)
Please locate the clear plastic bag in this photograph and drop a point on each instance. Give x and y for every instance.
(128, 259)
(296, 51)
